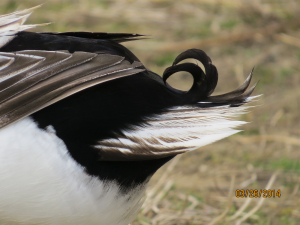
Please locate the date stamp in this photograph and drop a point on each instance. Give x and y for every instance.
(257, 193)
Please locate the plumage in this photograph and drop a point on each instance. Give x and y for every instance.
(36, 79)
(11, 24)
(84, 125)
(41, 184)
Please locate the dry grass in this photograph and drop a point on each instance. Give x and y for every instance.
(237, 34)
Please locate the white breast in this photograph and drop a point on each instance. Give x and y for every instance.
(41, 184)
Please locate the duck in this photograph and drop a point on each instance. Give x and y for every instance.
(84, 124)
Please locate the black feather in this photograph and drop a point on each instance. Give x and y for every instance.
(204, 83)
(51, 42)
(210, 70)
(198, 89)
(117, 37)
(237, 96)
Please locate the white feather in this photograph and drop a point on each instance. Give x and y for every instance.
(178, 130)
(11, 24)
(40, 183)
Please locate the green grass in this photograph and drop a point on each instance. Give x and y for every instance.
(164, 60)
(287, 72)
(204, 30)
(228, 24)
(286, 164)
(9, 6)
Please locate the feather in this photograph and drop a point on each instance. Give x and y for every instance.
(116, 37)
(179, 130)
(11, 24)
(37, 79)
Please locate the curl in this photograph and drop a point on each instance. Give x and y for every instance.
(204, 83)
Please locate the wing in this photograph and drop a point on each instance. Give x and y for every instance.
(31, 80)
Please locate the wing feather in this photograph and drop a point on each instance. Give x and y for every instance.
(12, 23)
(20, 63)
(178, 130)
(32, 80)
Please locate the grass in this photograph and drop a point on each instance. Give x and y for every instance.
(235, 34)
(164, 60)
(228, 24)
(285, 164)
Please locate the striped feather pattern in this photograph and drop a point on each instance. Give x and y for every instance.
(178, 130)
(31, 80)
(12, 23)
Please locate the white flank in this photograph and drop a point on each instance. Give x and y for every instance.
(41, 184)
(12, 23)
(179, 130)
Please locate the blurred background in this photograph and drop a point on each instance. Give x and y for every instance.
(200, 187)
